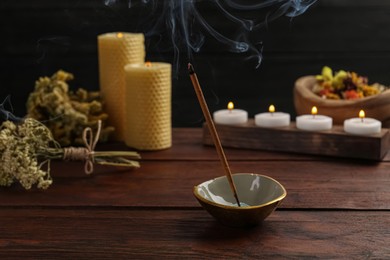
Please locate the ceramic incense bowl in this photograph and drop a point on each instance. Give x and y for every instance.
(259, 196)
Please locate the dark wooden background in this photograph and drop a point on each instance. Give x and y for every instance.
(39, 37)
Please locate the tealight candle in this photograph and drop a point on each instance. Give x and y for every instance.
(230, 116)
(314, 122)
(362, 125)
(272, 118)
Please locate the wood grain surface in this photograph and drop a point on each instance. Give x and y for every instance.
(335, 208)
(190, 234)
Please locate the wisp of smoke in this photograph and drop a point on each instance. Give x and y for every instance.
(6, 114)
(45, 44)
(188, 28)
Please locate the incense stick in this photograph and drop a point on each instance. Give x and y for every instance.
(212, 129)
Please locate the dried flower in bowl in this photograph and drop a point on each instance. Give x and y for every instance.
(376, 106)
(344, 85)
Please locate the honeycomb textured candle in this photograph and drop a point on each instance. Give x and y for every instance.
(115, 51)
(148, 106)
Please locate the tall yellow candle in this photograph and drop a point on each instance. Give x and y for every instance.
(115, 50)
(148, 106)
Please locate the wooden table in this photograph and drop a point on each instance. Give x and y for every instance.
(335, 208)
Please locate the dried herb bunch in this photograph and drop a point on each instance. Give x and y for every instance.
(27, 148)
(21, 147)
(64, 112)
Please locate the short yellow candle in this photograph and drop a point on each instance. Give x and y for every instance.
(115, 51)
(148, 106)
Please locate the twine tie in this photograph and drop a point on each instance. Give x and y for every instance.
(84, 153)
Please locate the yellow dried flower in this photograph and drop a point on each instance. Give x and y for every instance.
(64, 112)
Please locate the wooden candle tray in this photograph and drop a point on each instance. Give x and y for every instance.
(334, 142)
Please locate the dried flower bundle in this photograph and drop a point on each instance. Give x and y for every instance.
(27, 148)
(64, 112)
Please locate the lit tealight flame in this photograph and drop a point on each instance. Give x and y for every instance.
(119, 35)
(148, 64)
(271, 108)
(230, 106)
(362, 115)
(314, 111)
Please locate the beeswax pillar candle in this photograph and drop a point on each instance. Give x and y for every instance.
(148, 106)
(115, 51)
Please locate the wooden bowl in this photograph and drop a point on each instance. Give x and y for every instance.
(259, 196)
(377, 106)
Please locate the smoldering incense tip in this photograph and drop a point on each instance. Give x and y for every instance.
(191, 68)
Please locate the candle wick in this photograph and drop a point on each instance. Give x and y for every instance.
(362, 119)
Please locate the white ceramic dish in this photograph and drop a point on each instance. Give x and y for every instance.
(259, 196)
